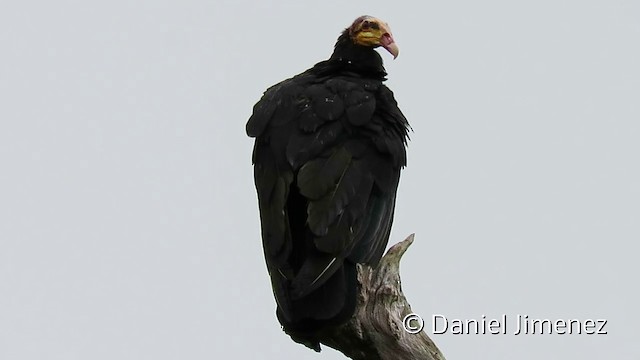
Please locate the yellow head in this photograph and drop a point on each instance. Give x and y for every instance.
(373, 32)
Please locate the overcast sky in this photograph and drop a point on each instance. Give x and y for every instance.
(129, 225)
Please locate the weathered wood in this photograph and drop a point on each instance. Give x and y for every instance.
(376, 330)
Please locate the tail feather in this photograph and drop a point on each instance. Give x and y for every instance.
(313, 273)
(333, 302)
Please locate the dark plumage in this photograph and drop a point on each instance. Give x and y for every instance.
(330, 144)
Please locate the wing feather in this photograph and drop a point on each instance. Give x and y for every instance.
(327, 161)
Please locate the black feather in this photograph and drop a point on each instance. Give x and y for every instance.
(323, 212)
(318, 176)
(302, 147)
(361, 105)
(330, 144)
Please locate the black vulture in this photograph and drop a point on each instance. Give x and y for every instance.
(330, 144)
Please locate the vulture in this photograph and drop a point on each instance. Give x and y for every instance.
(329, 147)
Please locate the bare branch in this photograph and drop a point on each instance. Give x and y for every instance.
(376, 331)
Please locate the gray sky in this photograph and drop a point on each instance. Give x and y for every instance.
(129, 218)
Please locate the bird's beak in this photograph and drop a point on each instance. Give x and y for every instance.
(387, 42)
(386, 39)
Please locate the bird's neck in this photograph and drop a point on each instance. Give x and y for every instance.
(348, 57)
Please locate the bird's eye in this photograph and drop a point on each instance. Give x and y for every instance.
(366, 25)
